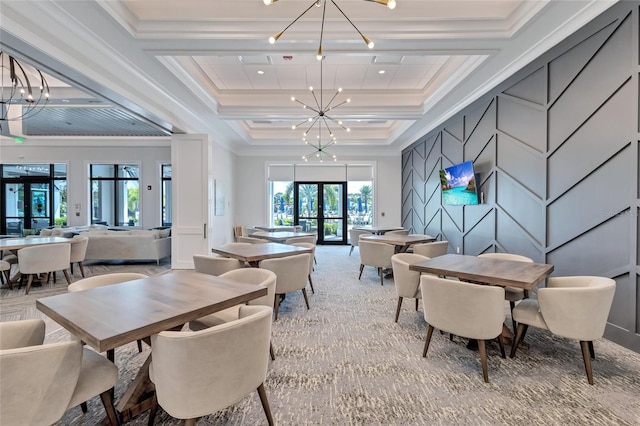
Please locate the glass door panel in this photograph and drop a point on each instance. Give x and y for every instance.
(37, 209)
(327, 218)
(14, 208)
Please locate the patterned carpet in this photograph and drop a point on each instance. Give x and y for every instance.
(346, 362)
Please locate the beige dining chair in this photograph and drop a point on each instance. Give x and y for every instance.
(433, 249)
(398, 232)
(78, 253)
(255, 276)
(233, 245)
(575, 307)
(192, 380)
(377, 255)
(311, 258)
(215, 265)
(463, 309)
(40, 382)
(354, 237)
(5, 273)
(292, 273)
(511, 294)
(251, 240)
(44, 259)
(407, 281)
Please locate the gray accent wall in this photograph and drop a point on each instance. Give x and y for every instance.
(556, 147)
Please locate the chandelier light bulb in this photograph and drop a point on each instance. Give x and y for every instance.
(310, 119)
(348, 100)
(311, 88)
(340, 122)
(348, 129)
(392, 4)
(293, 98)
(339, 89)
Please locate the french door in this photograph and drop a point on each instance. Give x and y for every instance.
(321, 207)
(27, 205)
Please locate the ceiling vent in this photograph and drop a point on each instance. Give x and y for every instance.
(255, 60)
(387, 59)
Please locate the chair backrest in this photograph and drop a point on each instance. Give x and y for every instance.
(256, 276)
(311, 239)
(407, 281)
(18, 334)
(193, 380)
(251, 240)
(464, 309)
(507, 256)
(398, 232)
(434, 249)
(106, 279)
(376, 254)
(313, 252)
(292, 271)
(44, 258)
(38, 382)
(354, 236)
(79, 249)
(215, 265)
(577, 307)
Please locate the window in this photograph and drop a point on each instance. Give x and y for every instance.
(166, 195)
(281, 206)
(115, 194)
(360, 203)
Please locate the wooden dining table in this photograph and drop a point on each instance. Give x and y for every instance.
(281, 236)
(401, 242)
(254, 253)
(378, 230)
(11, 244)
(275, 228)
(111, 316)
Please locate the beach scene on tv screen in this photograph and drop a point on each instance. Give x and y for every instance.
(459, 184)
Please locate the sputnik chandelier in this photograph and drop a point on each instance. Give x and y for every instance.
(17, 89)
(323, 121)
(391, 4)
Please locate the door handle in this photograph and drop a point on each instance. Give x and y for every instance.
(204, 230)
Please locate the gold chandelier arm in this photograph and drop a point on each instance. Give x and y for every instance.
(320, 54)
(366, 39)
(329, 107)
(278, 35)
(324, 120)
(337, 123)
(307, 106)
(312, 124)
(337, 105)
(299, 124)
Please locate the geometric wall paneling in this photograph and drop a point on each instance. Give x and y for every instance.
(623, 302)
(598, 78)
(474, 115)
(417, 163)
(455, 215)
(433, 225)
(522, 206)
(593, 200)
(524, 121)
(487, 188)
(512, 238)
(606, 132)
(485, 161)
(450, 230)
(480, 232)
(452, 148)
(523, 164)
(601, 250)
(481, 134)
(565, 67)
(532, 88)
(456, 129)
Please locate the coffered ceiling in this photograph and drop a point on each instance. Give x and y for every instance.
(151, 67)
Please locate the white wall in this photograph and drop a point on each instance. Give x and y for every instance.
(251, 188)
(222, 166)
(148, 153)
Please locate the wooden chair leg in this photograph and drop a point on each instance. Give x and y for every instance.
(591, 351)
(277, 307)
(66, 275)
(483, 360)
(398, 308)
(190, 422)
(381, 273)
(29, 281)
(306, 299)
(417, 304)
(7, 274)
(139, 346)
(361, 269)
(265, 403)
(427, 341)
(81, 269)
(350, 251)
(83, 407)
(587, 360)
(311, 284)
(272, 352)
(107, 401)
(153, 410)
(522, 329)
(501, 344)
(71, 267)
(513, 322)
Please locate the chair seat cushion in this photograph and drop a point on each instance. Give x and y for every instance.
(513, 294)
(222, 317)
(4, 265)
(10, 258)
(97, 374)
(528, 312)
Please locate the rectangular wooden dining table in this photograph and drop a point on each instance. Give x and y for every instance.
(254, 253)
(505, 273)
(401, 242)
(378, 230)
(111, 316)
(18, 243)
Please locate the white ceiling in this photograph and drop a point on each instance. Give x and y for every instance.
(193, 65)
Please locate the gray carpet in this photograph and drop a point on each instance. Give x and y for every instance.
(346, 362)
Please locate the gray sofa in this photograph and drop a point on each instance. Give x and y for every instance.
(128, 245)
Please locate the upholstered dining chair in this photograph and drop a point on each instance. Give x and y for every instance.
(433, 249)
(5, 272)
(398, 232)
(256, 276)
(252, 240)
(101, 281)
(310, 239)
(354, 236)
(311, 258)
(292, 273)
(575, 307)
(464, 309)
(215, 265)
(42, 381)
(407, 281)
(511, 294)
(192, 380)
(44, 259)
(78, 253)
(377, 255)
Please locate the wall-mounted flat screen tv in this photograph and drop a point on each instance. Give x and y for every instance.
(459, 185)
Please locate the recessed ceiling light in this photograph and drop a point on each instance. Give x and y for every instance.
(260, 72)
(381, 72)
